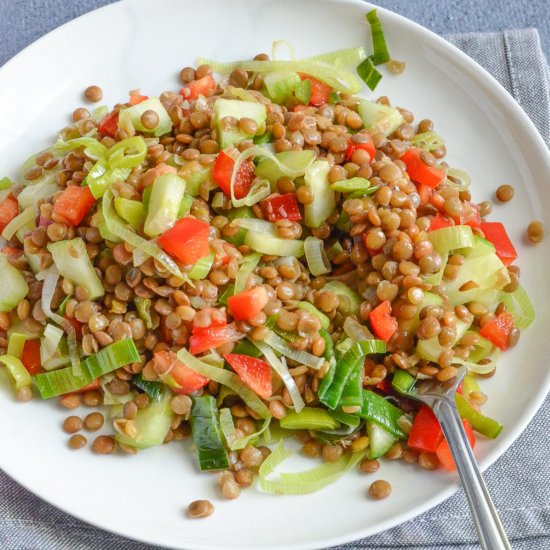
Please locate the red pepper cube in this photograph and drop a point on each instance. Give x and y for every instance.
(9, 209)
(319, 91)
(187, 240)
(73, 204)
(255, 373)
(248, 303)
(368, 146)
(187, 380)
(426, 433)
(496, 233)
(212, 337)
(498, 330)
(281, 207)
(439, 222)
(419, 171)
(444, 452)
(203, 86)
(31, 357)
(108, 125)
(223, 170)
(382, 322)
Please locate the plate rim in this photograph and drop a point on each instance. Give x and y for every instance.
(483, 79)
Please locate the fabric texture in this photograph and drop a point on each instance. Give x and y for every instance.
(519, 481)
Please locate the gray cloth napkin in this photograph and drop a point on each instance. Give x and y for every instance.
(519, 481)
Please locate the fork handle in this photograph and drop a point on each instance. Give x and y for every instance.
(489, 527)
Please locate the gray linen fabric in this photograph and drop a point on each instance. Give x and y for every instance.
(519, 481)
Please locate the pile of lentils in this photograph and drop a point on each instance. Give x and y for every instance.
(390, 220)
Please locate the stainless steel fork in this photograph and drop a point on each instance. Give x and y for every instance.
(440, 398)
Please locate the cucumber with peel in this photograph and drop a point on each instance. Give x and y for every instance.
(237, 109)
(13, 286)
(164, 204)
(72, 261)
(380, 440)
(324, 199)
(384, 118)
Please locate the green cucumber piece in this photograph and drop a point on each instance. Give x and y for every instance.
(152, 424)
(237, 109)
(350, 301)
(131, 211)
(380, 440)
(130, 119)
(72, 261)
(281, 85)
(269, 243)
(13, 286)
(194, 179)
(384, 118)
(164, 204)
(430, 348)
(324, 201)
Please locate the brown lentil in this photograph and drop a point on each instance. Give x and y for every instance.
(200, 509)
(379, 489)
(535, 231)
(93, 94)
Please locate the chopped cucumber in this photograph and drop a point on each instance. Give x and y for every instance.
(243, 212)
(193, 180)
(13, 286)
(164, 204)
(350, 301)
(237, 109)
(281, 85)
(430, 348)
(384, 118)
(72, 261)
(295, 160)
(324, 202)
(31, 194)
(430, 299)
(269, 243)
(152, 423)
(486, 270)
(34, 262)
(131, 118)
(380, 440)
(131, 211)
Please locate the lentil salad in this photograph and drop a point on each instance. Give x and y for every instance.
(242, 264)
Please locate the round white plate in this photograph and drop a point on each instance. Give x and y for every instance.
(144, 44)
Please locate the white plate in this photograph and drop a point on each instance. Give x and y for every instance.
(144, 44)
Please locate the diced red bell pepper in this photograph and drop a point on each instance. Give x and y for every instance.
(11, 251)
(9, 209)
(93, 385)
(319, 91)
(217, 318)
(498, 330)
(203, 86)
(384, 386)
(426, 433)
(255, 373)
(368, 147)
(281, 207)
(187, 380)
(471, 215)
(424, 192)
(223, 170)
(419, 171)
(248, 303)
(444, 452)
(31, 356)
(109, 124)
(383, 323)
(73, 204)
(77, 325)
(496, 233)
(136, 99)
(439, 222)
(187, 240)
(213, 337)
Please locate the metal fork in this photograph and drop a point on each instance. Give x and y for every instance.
(440, 398)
